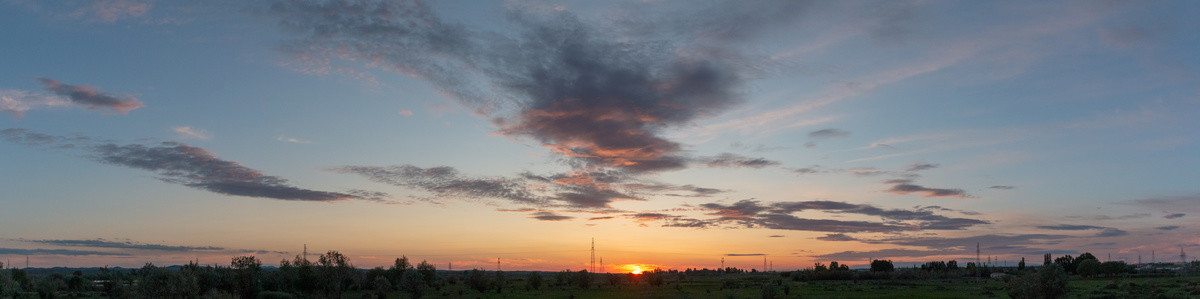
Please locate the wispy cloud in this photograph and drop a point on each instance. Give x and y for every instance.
(189, 132)
(905, 186)
(91, 98)
(779, 215)
(405, 112)
(729, 160)
(182, 164)
(549, 216)
(67, 252)
(828, 133)
(102, 243)
(292, 140)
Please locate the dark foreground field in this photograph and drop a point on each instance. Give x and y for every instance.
(710, 287)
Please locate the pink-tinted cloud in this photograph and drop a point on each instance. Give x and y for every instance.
(91, 98)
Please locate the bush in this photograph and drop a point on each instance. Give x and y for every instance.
(1048, 282)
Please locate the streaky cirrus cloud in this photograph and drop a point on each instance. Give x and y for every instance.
(189, 132)
(906, 186)
(828, 133)
(102, 243)
(91, 98)
(580, 89)
(779, 215)
(745, 254)
(594, 190)
(1174, 215)
(1169, 227)
(919, 166)
(67, 252)
(1003, 187)
(1070, 227)
(730, 160)
(182, 164)
(549, 216)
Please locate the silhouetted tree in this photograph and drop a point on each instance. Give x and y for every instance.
(247, 275)
(1088, 267)
(1067, 262)
(1046, 262)
(336, 273)
(882, 266)
(1021, 265)
(428, 273)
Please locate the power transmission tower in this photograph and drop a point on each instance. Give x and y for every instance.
(764, 263)
(305, 252)
(497, 264)
(977, 255)
(602, 265)
(593, 264)
(1182, 256)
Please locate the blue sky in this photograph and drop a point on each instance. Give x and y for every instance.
(673, 132)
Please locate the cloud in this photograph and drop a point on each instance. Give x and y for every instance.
(776, 236)
(836, 237)
(745, 254)
(1003, 187)
(601, 218)
(101, 243)
(1111, 232)
(405, 112)
(16, 102)
(920, 166)
(728, 160)
(1070, 227)
(188, 132)
(778, 215)
(91, 98)
(904, 186)
(1169, 227)
(182, 164)
(963, 243)
(600, 94)
(549, 216)
(292, 140)
(828, 133)
(69, 252)
(1173, 216)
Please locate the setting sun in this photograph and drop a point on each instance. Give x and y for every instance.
(634, 269)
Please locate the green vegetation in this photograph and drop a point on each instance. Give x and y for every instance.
(333, 276)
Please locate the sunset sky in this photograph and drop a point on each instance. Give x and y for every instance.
(674, 133)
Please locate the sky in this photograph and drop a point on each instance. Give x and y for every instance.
(675, 134)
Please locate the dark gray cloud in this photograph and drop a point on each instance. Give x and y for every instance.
(39, 251)
(904, 186)
(919, 166)
(579, 190)
(549, 216)
(964, 243)
(776, 236)
(1070, 227)
(1169, 227)
(101, 243)
(601, 218)
(828, 133)
(778, 215)
(182, 164)
(89, 97)
(729, 160)
(1175, 215)
(592, 92)
(836, 237)
(1111, 232)
(745, 254)
(1002, 187)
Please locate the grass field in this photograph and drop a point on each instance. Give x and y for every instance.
(751, 287)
